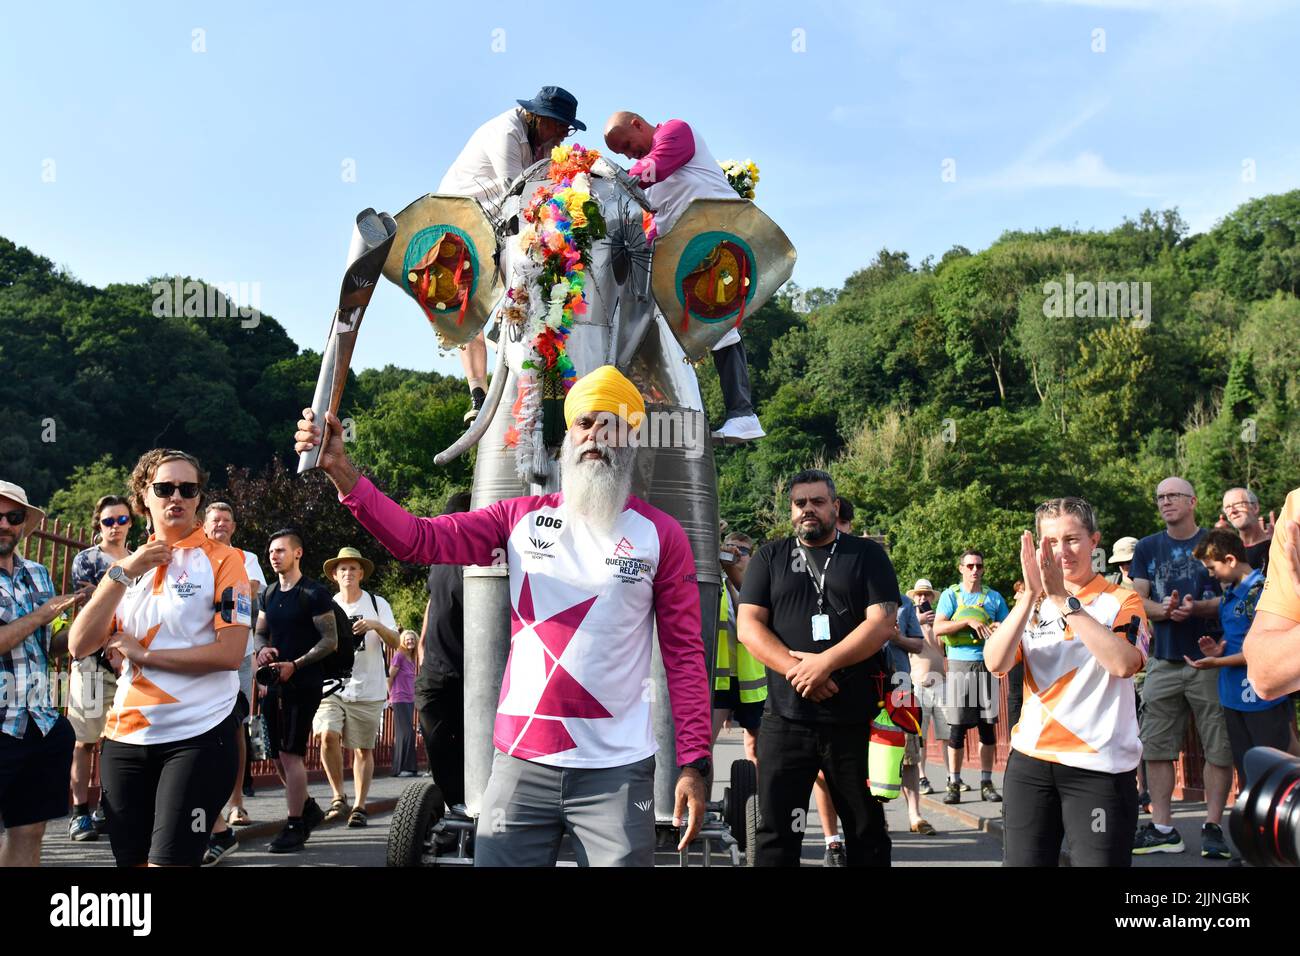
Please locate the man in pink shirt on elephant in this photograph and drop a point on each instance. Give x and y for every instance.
(674, 166)
(573, 733)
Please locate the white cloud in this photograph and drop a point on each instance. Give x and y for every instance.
(1087, 170)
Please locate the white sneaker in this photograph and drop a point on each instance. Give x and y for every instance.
(740, 430)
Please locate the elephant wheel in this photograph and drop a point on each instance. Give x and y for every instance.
(410, 835)
(744, 784)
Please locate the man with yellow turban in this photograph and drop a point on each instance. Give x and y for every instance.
(594, 571)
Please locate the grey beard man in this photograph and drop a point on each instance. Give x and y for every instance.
(596, 479)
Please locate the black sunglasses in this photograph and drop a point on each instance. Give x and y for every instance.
(164, 489)
(119, 521)
(16, 518)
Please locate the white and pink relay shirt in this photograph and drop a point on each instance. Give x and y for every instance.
(584, 605)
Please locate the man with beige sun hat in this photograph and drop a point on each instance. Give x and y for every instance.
(351, 718)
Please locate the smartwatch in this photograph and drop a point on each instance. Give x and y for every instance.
(1072, 604)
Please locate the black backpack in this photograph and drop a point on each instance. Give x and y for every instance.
(338, 665)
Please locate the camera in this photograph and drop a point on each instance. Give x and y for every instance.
(358, 640)
(267, 675)
(1265, 821)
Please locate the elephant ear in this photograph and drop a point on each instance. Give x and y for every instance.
(721, 261)
(445, 258)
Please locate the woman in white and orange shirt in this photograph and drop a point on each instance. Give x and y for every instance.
(178, 610)
(1075, 749)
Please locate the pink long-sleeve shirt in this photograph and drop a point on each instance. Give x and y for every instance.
(584, 606)
(678, 168)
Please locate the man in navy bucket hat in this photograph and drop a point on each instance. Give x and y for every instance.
(495, 155)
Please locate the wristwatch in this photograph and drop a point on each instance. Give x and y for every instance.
(1073, 604)
(704, 765)
(121, 577)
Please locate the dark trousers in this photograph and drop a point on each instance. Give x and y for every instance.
(403, 737)
(440, 703)
(789, 755)
(733, 375)
(1044, 801)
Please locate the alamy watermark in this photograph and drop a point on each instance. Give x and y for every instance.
(174, 298)
(1098, 300)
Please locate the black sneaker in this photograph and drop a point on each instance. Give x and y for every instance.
(220, 846)
(835, 855)
(1144, 802)
(1150, 840)
(963, 786)
(312, 815)
(100, 820)
(477, 397)
(290, 839)
(1213, 846)
(989, 792)
(953, 794)
(923, 785)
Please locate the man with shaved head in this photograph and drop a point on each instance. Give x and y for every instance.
(674, 166)
(1241, 508)
(1182, 603)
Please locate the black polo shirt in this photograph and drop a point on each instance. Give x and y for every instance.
(860, 574)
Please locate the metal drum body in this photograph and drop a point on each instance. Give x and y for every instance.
(674, 469)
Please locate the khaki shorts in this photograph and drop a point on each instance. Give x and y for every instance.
(91, 690)
(912, 750)
(1172, 689)
(357, 721)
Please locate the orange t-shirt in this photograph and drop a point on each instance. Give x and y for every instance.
(1075, 713)
(175, 606)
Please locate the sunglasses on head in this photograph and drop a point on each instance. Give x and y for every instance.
(164, 489)
(17, 518)
(119, 521)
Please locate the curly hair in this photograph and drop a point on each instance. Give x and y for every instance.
(147, 467)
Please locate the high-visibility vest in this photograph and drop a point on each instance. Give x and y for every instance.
(733, 661)
(885, 757)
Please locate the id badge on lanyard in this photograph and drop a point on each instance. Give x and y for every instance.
(821, 622)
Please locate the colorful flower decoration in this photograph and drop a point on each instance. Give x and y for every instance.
(561, 221)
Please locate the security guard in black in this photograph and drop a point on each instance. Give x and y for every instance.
(857, 575)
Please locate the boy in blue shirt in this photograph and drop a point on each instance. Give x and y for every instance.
(1252, 720)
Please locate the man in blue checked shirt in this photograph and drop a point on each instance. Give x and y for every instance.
(35, 739)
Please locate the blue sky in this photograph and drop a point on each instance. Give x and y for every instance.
(228, 164)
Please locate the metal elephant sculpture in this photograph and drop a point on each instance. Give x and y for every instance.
(649, 312)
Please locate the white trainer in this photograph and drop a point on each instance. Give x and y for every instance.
(744, 429)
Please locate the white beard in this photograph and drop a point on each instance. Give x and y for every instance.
(595, 492)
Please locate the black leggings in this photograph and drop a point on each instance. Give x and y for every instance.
(1044, 801)
(161, 800)
(957, 734)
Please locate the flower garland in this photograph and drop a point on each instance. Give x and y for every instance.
(562, 220)
(742, 176)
